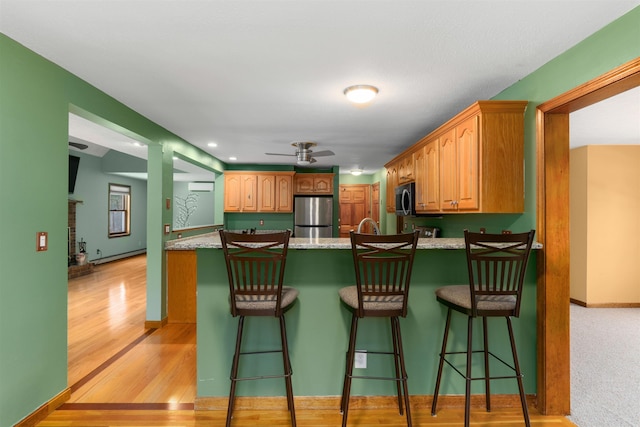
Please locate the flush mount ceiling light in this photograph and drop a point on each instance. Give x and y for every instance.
(356, 172)
(361, 94)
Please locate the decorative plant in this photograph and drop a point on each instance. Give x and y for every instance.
(186, 208)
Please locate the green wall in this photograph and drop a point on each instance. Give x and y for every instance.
(318, 329)
(204, 203)
(36, 97)
(92, 188)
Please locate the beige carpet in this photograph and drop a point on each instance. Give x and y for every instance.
(605, 367)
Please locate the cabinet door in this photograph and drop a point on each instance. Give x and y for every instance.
(421, 180)
(467, 147)
(266, 193)
(232, 193)
(392, 183)
(284, 195)
(249, 186)
(432, 177)
(448, 171)
(304, 183)
(323, 184)
(401, 172)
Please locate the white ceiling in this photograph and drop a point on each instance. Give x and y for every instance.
(254, 76)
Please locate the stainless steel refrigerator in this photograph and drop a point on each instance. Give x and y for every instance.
(313, 216)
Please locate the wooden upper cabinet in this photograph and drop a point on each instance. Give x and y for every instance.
(258, 191)
(249, 191)
(406, 169)
(467, 162)
(474, 162)
(240, 191)
(448, 170)
(431, 185)
(232, 193)
(266, 193)
(313, 183)
(284, 193)
(392, 183)
(426, 166)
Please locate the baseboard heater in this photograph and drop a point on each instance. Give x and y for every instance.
(119, 256)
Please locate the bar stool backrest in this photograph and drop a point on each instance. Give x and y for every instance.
(497, 264)
(255, 266)
(383, 265)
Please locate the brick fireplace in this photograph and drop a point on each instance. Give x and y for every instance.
(75, 270)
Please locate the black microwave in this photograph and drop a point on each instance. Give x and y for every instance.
(405, 199)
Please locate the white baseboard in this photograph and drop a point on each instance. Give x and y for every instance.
(118, 256)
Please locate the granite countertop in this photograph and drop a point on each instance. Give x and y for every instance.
(212, 240)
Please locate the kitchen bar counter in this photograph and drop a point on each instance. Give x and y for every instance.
(212, 241)
(318, 324)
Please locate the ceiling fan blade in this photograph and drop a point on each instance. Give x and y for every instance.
(279, 154)
(78, 145)
(322, 153)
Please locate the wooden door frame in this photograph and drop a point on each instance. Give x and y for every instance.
(552, 222)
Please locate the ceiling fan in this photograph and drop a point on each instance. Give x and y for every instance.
(78, 145)
(304, 154)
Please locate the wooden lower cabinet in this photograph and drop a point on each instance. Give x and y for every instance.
(181, 286)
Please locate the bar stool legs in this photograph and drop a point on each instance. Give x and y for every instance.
(400, 370)
(287, 370)
(487, 377)
(234, 371)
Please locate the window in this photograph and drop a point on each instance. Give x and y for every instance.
(119, 210)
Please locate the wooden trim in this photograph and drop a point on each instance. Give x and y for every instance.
(576, 302)
(552, 151)
(155, 324)
(614, 82)
(45, 410)
(356, 402)
(606, 304)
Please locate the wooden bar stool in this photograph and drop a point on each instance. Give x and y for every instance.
(255, 266)
(383, 265)
(496, 265)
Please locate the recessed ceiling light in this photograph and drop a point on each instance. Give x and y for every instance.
(361, 94)
(212, 144)
(233, 158)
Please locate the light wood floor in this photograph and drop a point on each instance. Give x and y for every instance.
(122, 375)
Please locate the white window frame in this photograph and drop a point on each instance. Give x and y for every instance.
(119, 214)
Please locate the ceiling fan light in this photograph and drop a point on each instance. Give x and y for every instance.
(356, 172)
(304, 162)
(361, 94)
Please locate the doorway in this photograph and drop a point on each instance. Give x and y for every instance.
(552, 216)
(355, 205)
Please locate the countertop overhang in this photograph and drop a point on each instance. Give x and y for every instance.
(212, 241)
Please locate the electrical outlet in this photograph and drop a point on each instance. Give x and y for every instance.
(361, 359)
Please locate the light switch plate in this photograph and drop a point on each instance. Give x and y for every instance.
(42, 238)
